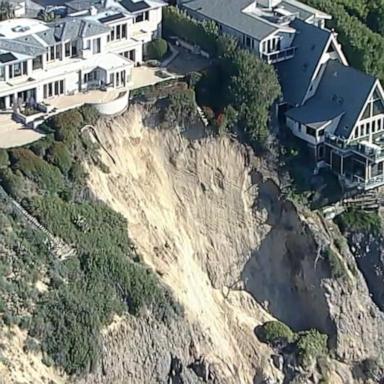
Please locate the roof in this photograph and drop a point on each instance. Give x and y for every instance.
(134, 6)
(229, 13)
(7, 57)
(304, 11)
(70, 28)
(295, 74)
(342, 92)
(109, 18)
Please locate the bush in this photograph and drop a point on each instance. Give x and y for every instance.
(47, 176)
(182, 105)
(59, 155)
(274, 332)
(156, 49)
(67, 126)
(13, 183)
(90, 114)
(336, 265)
(311, 345)
(359, 221)
(204, 34)
(39, 147)
(4, 158)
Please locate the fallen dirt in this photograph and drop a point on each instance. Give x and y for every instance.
(190, 213)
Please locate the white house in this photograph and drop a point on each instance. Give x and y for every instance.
(263, 26)
(94, 48)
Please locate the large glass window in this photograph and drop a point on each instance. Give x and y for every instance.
(67, 49)
(97, 45)
(37, 62)
(74, 48)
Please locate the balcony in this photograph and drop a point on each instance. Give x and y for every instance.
(373, 182)
(276, 57)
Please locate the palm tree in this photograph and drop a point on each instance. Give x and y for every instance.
(6, 11)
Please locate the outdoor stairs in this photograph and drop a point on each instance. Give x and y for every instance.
(368, 201)
(57, 246)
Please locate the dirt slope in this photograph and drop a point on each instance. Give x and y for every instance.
(189, 209)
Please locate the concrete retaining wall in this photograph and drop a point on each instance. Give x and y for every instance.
(113, 107)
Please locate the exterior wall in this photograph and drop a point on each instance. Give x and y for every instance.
(113, 107)
(299, 130)
(153, 25)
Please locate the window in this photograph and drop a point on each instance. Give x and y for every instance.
(113, 34)
(124, 31)
(25, 67)
(87, 44)
(74, 48)
(2, 73)
(97, 45)
(59, 52)
(67, 49)
(367, 112)
(37, 62)
(311, 131)
(118, 32)
(54, 89)
(378, 107)
(379, 124)
(52, 53)
(374, 126)
(367, 129)
(112, 78)
(139, 18)
(321, 132)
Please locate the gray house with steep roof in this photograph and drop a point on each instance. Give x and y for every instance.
(337, 110)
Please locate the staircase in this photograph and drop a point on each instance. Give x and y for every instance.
(57, 246)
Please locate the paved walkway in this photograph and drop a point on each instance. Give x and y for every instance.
(14, 134)
(144, 76)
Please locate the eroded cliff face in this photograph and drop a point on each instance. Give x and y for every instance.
(209, 217)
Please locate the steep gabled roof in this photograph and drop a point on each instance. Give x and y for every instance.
(343, 91)
(295, 74)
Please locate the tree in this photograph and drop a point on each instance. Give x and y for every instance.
(157, 48)
(253, 88)
(7, 11)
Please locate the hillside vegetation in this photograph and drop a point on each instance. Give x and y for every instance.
(360, 25)
(65, 302)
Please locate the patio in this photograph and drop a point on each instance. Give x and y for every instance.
(13, 134)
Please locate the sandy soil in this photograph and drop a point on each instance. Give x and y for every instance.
(192, 220)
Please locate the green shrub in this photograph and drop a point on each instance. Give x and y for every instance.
(4, 158)
(47, 176)
(276, 331)
(13, 183)
(157, 49)
(359, 221)
(59, 155)
(182, 105)
(204, 34)
(67, 126)
(311, 345)
(90, 114)
(335, 264)
(39, 147)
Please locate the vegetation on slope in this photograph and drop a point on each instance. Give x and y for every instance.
(239, 89)
(84, 290)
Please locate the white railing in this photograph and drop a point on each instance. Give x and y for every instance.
(275, 57)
